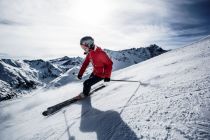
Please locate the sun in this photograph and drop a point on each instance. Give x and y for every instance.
(91, 11)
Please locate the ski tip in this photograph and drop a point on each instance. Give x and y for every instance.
(44, 113)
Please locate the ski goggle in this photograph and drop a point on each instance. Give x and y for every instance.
(87, 42)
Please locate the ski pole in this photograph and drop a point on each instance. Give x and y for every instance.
(144, 84)
(125, 81)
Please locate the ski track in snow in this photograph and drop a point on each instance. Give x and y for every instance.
(175, 104)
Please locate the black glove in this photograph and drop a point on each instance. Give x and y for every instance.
(106, 79)
(79, 77)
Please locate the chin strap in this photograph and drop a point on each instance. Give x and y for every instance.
(93, 48)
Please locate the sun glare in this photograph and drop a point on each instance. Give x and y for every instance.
(91, 11)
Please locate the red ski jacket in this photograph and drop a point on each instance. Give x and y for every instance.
(102, 64)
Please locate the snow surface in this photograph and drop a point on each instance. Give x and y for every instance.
(175, 104)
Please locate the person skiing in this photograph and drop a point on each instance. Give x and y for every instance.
(102, 65)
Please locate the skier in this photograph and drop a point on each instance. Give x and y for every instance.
(102, 65)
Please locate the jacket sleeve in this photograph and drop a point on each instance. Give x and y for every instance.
(84, 65)
(107, 65)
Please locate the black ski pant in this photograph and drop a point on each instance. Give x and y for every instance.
(89, 82)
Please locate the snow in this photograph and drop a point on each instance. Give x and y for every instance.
(175, 104)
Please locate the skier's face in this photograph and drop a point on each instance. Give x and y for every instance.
(86, 49)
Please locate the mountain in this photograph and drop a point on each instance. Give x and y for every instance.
(65, 63)
(18, 77)
(174, 105)
(128, 57)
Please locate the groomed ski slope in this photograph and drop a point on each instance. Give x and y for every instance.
(175, 104)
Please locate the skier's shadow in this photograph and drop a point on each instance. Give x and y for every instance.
(108, 125)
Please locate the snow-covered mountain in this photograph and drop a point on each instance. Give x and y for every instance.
(65, 63)
(16, 77)
(128, 57)
(21, 76)
(174, 105)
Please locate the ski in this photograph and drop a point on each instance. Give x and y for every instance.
(54, 109)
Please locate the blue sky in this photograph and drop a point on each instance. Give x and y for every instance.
(52, 28)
